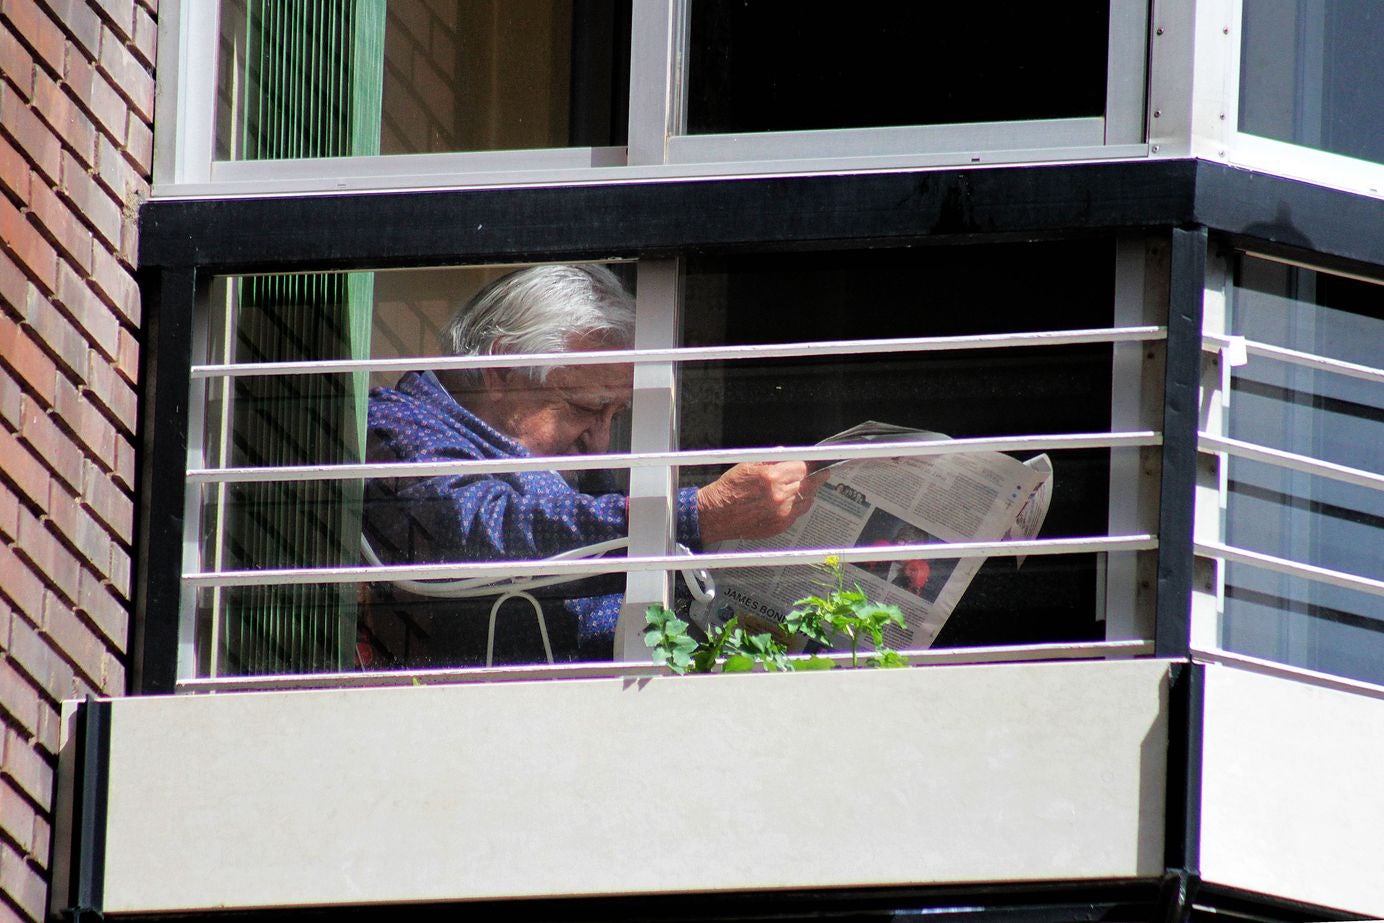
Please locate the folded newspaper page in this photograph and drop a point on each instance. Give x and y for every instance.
(976, 496)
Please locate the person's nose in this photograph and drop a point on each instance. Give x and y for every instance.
(596, 439)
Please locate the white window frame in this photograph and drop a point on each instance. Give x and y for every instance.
(185, 164)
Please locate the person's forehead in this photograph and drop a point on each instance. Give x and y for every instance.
(606, 377)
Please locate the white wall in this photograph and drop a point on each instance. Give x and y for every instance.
(1020, 772)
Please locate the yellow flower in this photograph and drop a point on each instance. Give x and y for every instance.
(833, 561)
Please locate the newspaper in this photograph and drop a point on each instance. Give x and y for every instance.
(976, 496)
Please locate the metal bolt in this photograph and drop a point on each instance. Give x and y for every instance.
(1225, 30)
(1158, 113)
(1155, 149)
(1158, 31)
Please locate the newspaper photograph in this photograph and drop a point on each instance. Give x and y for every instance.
(885, 502)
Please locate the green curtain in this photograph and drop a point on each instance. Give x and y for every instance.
(313, 86)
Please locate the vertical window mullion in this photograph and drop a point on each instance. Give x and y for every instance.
(653, 491)
(656, 58)
(1141, 297)
(1212, 497)
(1125, 79)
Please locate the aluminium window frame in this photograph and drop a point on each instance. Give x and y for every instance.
(185, 165)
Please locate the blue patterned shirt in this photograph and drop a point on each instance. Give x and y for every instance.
(492, 517)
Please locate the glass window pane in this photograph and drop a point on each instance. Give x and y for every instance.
(971, 393)
(1294, 515)
(1311, 74)
(305, 418)
(359, 77)
(756, 65)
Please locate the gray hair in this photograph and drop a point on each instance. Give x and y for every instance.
(541, 310)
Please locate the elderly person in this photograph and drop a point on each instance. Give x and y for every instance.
(516, 412)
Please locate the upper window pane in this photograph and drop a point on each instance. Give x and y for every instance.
(756, 65)
(359, 77)
(1311, 74)
(1293, 514)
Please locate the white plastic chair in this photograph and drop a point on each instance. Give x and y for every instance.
(699, 583)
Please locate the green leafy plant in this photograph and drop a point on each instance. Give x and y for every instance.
(667, 635)
(840, 612)
(846, 612)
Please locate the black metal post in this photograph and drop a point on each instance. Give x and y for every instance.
(169, 297)
(88, 862)
(1177, 490)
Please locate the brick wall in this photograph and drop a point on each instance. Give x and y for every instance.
(76, 106)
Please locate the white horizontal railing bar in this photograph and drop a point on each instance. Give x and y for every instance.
(1313, 361)
(1213, 343)
(586, 567)
(1019, 653)
(691, 353)
(1279, 458)
(687, 458)
(1286, 671)
(1292, 568)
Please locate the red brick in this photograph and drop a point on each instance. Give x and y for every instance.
(22, 884)
(109, 391)
(43, 841)
(108, 612)
(51, 445)
(87, 423)
(98, 97)
(37, 30)
(131, 78)
(146, 37)
(91, 202)
(128, 250)
(124, 472)
(57, 108)
(121, 572)
(15, 62)
(11, 397)
(14, 172)
(93, 316)
(27, 361)
(56, 334)
(17, 817)
(32, 654)
(18, 697)
(9, 513)
(60, 225)
(108, 502)
(127, 362)
(139, 143)
(115, 284)
(34, 253)
(19, 582)
(120, 14)
(40, 547)
(25, 472)
(23, 765)
(76, 641)
(29, 133)
(80, 21)
(14, 288)
(117, 175)
(81, 531)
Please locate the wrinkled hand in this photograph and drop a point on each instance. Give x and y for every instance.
(756, 500)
